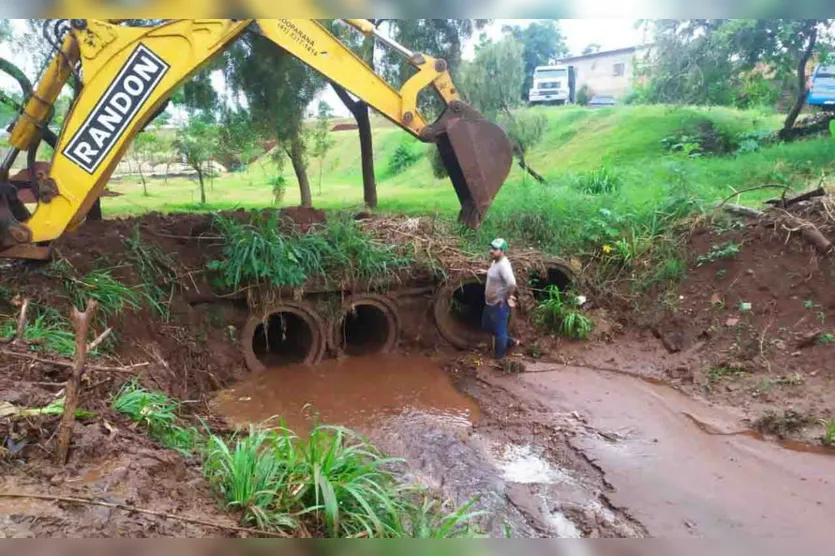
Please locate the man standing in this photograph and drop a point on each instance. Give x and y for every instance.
(498, 296)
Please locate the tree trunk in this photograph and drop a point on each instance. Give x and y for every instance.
(202, 185)
(296, 154)
(142, 179)
(800, 101)
(524, 166)
(360, 112)
(321, 164)
(81, 321)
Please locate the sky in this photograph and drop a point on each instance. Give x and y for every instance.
(608, 33)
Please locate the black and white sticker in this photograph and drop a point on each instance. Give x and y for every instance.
(116, 109)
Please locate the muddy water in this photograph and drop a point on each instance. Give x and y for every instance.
(409, 408)
(683, 468)
(361, 393)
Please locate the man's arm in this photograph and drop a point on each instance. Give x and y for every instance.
(509, 279)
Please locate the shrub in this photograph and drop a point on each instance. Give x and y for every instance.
(404, 156)
(599, 182)
(438, 168)
(279, 185)
(584, 95)
(562, 316)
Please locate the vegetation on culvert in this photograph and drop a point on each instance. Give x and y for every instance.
(331, 482)
(263, 251)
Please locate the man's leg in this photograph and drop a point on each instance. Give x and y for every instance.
(500, 329)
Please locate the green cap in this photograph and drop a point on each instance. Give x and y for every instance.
(499, 244)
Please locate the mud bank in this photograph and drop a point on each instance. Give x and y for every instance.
(679, 466)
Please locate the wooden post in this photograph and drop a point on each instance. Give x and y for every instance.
(21, 323)
(81, 322)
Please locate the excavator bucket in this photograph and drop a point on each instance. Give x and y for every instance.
(477, 155)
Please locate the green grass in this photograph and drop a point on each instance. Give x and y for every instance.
(156, 271)
(828, 438)
(332, 483)
(158, 413)
(559, 313)
(48, 331)
(261, 252)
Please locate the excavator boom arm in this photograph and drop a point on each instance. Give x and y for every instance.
(128, 73)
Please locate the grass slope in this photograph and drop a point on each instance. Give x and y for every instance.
(626, 141)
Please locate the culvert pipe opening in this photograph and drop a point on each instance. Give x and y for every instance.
(283, 335)
(559, 276)
(366, 328)
(458, 312)
(284, 339)
(467, 306)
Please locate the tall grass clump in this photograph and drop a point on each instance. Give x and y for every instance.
(602, 181)
(158, 413)
(48, 331)
(333, 483)
(261, 252)
(560, 313)
(113, 296)
(156, 270)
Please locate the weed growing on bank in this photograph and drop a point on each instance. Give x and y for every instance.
(156, 270)
(158, 413)
(561, 314)
(332, 483)
(48, 331)
(260, 252)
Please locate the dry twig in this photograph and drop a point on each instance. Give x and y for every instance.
(21, 323)
(81, 321)
(68, 364)
(125, 507)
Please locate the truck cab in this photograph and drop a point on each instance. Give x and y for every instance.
(552, 85)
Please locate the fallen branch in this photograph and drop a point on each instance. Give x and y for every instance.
(125, 507)
(750, 189)
(21, 323)
(98, 341)
(739, 210)
(783, 203)
(68, 364)
(809, 232)
(81, 322)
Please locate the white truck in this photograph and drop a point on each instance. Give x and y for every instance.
(552, 85)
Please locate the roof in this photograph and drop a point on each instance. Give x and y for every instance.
(602, 53)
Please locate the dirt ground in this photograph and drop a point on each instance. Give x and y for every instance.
(743, 334)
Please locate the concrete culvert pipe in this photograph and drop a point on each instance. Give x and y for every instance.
(370, 324)
(284, 334)
(458, 309)
(554, 272)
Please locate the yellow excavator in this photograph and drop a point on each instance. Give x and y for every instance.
(125, 75)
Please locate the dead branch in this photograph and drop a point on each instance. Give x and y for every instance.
(750, 189)
(784, 203)
(809, 232)
(81, 322)
(128, 369)
(98, 341)
(21, 323)
(739, 210)
(125, 507)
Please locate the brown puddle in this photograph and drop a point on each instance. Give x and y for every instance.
(357, 392)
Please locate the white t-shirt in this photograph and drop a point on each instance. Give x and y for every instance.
(500, 280)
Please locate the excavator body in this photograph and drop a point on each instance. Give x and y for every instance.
(124, 75)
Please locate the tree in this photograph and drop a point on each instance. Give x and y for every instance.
(145, 146)
(322, 141)
(543, 43)
(501, 65)
(196, 142)
(591, 48)
(278, 88)
(707, 61)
